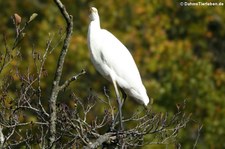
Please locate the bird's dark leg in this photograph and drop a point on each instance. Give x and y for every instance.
(124, 95)
(119, 104)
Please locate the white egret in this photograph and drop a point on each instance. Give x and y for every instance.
(114, 62)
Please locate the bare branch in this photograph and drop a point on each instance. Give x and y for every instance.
(197, 138)
(73, 78)
(2, 137)
(103, 138)
(58, 72)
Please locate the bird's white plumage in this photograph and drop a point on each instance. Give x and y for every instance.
(113, 60)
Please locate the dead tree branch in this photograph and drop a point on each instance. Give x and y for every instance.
(73, 78)
(58, 73)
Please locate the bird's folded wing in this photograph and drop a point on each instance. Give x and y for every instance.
(118, 58)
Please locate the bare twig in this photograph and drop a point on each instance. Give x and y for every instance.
(73, 78)
(103, 138)
(196, 140)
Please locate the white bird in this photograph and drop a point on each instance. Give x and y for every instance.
(114, 61)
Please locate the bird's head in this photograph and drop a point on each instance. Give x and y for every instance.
(94, 14)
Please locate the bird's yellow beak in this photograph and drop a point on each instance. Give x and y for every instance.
(93, 9)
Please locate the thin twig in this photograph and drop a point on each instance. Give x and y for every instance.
(196, 140)
(73, 78)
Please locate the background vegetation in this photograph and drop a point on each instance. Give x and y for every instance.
(179, 50)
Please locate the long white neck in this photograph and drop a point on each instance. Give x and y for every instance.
(95, 23)
(93, 30)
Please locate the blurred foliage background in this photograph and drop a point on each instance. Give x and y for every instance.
(179, 50)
